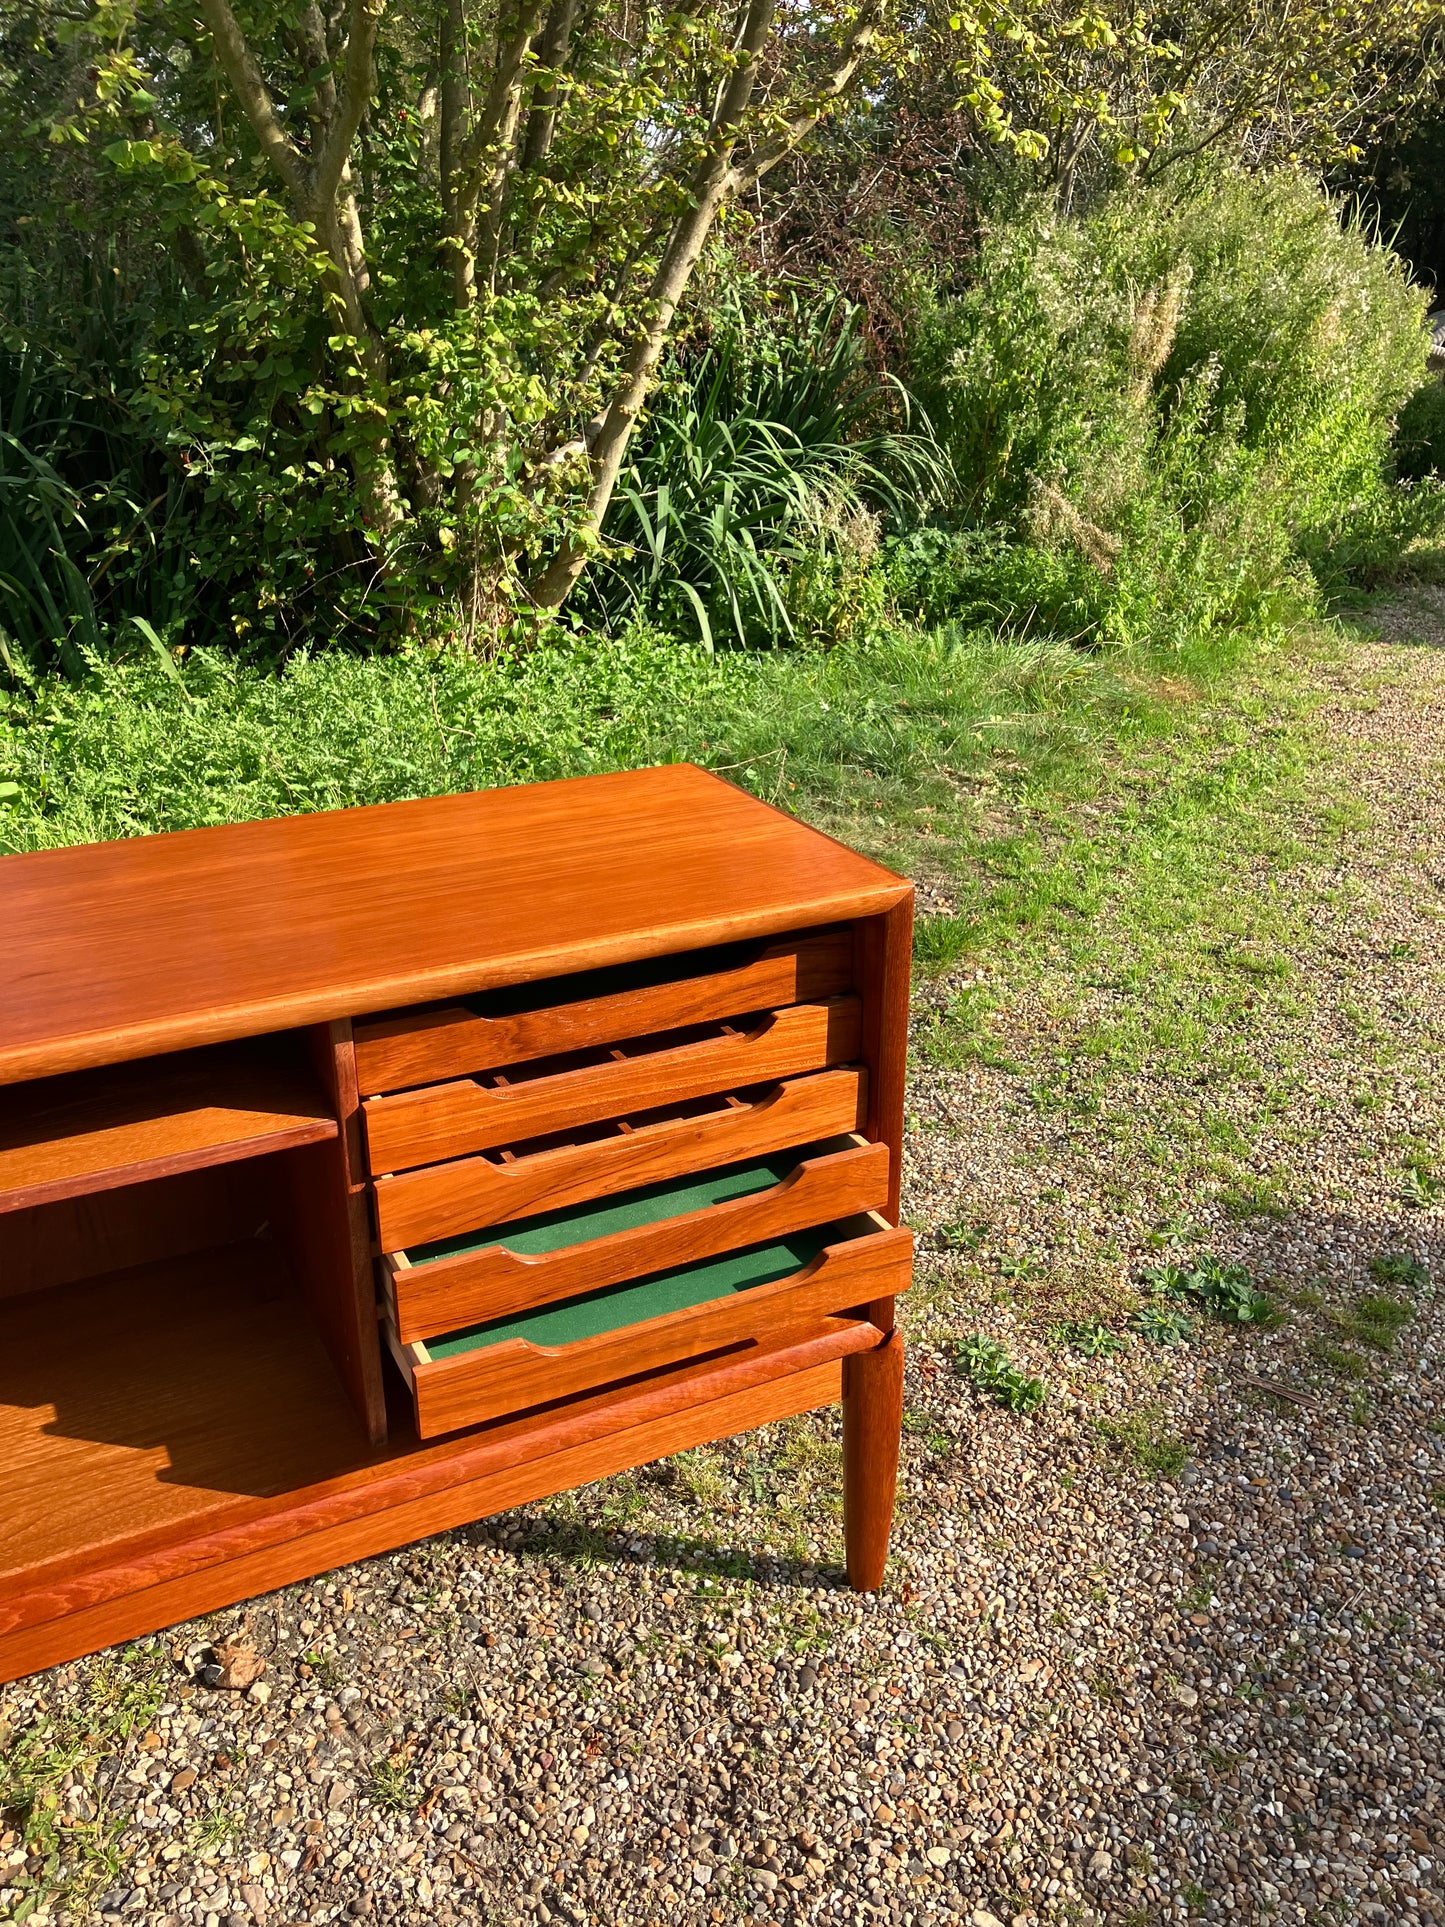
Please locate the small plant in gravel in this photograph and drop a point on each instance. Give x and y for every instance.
(1162, 1324)
(1225, 1292)
(987, 1365)
(77, 1856)
(1377, 1320)
(940, 941)
(1423, 1187)
(1343, 1363)
(1090, 1337)
(1144, 1438)
(392, 1786)
(959, 1237)
(1254, 1198)
(1400, 1269)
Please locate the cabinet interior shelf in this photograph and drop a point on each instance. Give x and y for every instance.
(62, 1137)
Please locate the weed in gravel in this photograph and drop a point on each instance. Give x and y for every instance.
(960, 1033)
(1090, 1337)
(1374, 1319)
(923, 1427)
(1173, 1234)
(1378, 1319)
(959, 1237)
(78, 1847)
(1253, 1198)
(1162, 1324)
(1344, 1364)
(1400, 1269)
(1306, 1299)
(939, 942)
(1144, 1438)
(1225, 1292)
(392, 1785)
(1423, 1187)
(988, 1367)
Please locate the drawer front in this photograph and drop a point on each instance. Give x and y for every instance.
(444, 1200)
(456, 1040)
(451, 1120)
(444, 1294)
(869, 1260)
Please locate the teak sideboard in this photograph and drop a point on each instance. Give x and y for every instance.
(366, 1173)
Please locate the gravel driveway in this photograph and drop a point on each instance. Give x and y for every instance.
(1168, 1648)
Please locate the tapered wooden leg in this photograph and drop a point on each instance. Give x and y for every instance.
(872, 1427)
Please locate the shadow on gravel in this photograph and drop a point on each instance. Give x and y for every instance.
(585, 1545)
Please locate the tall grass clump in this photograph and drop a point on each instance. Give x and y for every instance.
(751, 507)
(1171, 417)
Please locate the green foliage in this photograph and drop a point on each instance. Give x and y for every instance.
(748, 509)
(1377, 1320)
(1091, 1338)
(1225, 1292)
(987, 1365)
(1423, 1188)
(1177, 406)
(855, 730)
(1420, 433)
(1144, 1438)
(1162, 1324)
(1126, 87)
(392, 1785)
(1401, 1269)
(349, 335)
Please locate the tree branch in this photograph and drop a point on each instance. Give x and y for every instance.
(352, 101)
(835, 84)
(240, 68)
(715, 180)
(551, 55)
(489, 156)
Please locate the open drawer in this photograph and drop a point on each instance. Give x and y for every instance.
(500, 1027)
(721, 1306)
(556, 1094)
(443, 1200)
(490, 1274)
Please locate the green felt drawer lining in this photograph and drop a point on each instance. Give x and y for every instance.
(599, 1217)
(619, 1305)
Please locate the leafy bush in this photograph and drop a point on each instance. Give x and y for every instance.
(1176, 406)
(1420, 433)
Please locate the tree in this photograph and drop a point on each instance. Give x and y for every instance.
(469, 224)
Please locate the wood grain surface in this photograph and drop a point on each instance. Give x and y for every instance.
(453, 1040)
(147, 1398)
(97, 1596)
(443, 1200)
(450, 1120)
(121, 950)
(329, 1233)
(449, 1293)
(64, 1136)
(872, 1432)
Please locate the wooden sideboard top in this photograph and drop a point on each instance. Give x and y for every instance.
(157, 943)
